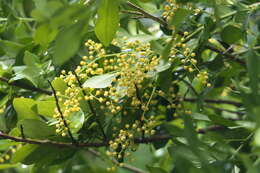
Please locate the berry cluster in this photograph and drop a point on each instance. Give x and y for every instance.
(6, 155)
(172, 6)
(123, 143)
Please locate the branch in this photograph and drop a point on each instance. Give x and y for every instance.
(61, 114)
(24, 86)
(146, 14)
(156, 138)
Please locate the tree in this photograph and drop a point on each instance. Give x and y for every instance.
(129, 86)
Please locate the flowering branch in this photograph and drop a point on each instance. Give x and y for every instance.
(61, 114)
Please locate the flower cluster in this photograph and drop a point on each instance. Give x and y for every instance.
(123, 143)
(171, 7)
(129, 69)
(5, 156)
(188, 59)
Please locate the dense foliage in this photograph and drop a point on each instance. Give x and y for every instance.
(160, 86)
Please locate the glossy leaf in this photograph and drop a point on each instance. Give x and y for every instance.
(100, 81)
(25, 108)
(108, 21)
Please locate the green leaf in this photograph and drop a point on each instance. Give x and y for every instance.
(179, 17)
(59, 85)
(44, 35)
(220, 120)
(10, 48)
(155, 170)
(108, 21)
(36, 129)
(46, 108)
(24, 108)
(231, 34)
(76, 121)
(7, 166)
(167, 50)
(30, 59)
(165, 80)
(67, 43)
(30, 73)
(21, 154)
(100, 81)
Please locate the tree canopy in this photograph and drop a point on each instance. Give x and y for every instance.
(159, 86)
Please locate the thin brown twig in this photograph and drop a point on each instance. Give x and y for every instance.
(24, 86)
(145, 140)
(61, 114)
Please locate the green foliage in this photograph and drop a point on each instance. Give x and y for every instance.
(140, 86)
(108, 21)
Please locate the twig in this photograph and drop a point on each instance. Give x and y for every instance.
(22, 132)
(61, 114)
(24, 86)
(146, 140)
(91, 108)
(146, 14)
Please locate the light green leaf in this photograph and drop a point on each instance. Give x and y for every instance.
(33, 128)
(10, 48)
(59, 85)
(30, 73)
(24, 108)
(108, 21)
(46, 108)
(76, 121)
(44, 35)
(7, 166)
(101, 81)
(30, 59)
